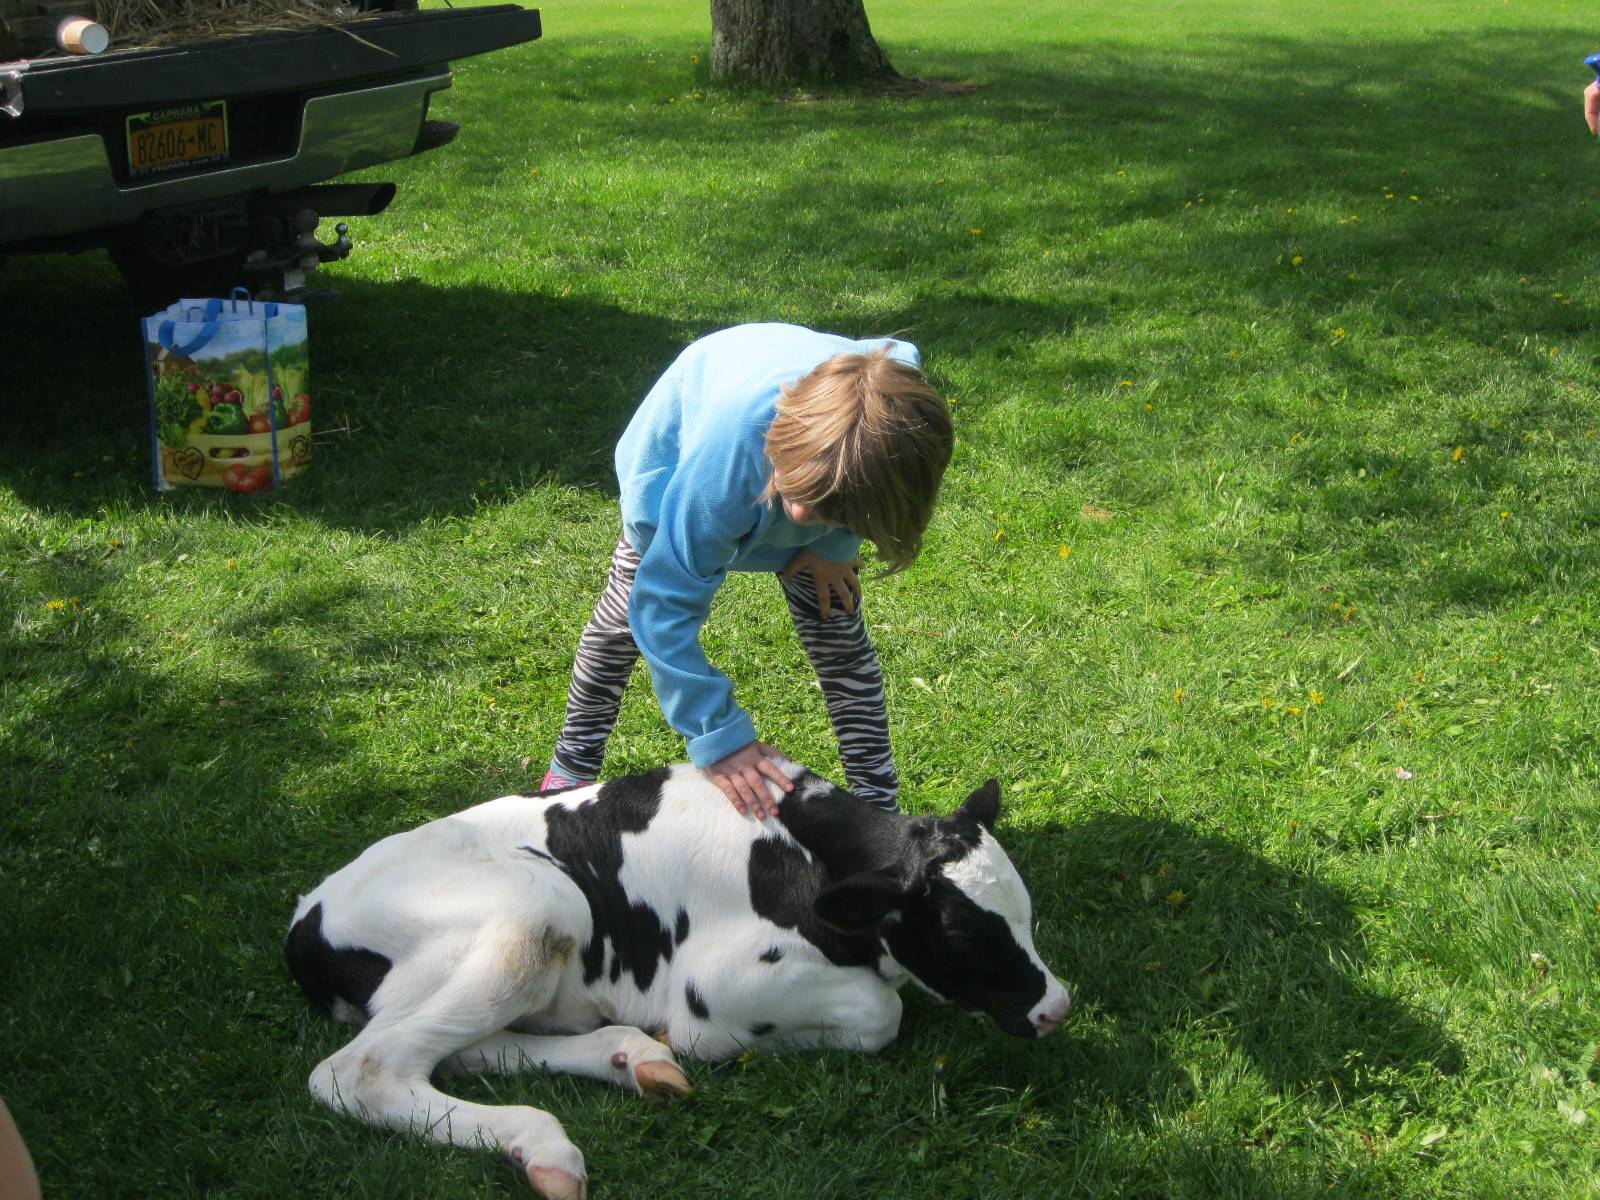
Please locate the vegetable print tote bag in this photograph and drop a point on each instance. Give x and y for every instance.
(230, 393)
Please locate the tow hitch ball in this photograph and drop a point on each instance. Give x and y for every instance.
(296, 253)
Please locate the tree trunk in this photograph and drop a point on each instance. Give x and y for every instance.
(794, 41)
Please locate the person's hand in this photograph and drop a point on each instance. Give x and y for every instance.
(831, 578)
(1591, 106)
(743, 777)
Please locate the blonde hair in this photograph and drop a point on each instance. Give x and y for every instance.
(863, 441)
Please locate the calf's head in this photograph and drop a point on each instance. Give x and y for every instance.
(954, 912)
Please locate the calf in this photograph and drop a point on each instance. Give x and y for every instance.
(550, 931)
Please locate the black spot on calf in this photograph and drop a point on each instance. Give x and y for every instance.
(326, 973)
(762, 1028)
(587, 841)
(697, 1003)
(772, 954)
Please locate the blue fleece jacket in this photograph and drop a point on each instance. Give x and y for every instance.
(692, 467)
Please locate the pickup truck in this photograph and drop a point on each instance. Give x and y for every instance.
(206, 164)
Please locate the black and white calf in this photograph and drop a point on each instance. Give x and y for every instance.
(551, 931)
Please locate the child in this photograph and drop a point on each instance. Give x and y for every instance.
(763, 448)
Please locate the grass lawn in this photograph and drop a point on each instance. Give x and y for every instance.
(1264, 580)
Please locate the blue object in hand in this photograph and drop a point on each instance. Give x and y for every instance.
(1593, 63)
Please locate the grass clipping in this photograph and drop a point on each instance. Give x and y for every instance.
(136, 23)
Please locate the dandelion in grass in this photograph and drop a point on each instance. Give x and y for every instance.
(999, 535)
(1338, 333)
(1164, 870)
(1402, 774)
(694, 58)
(1065, 552)
(1268, 702)
(1316, 697)
(55, 605)
(1505, 516)
(1530, 437)
(1296, 438)
(233, 564)
(1177, 897)
(975, 231)
(1177, 695)
(1297, 260)
(1155, 966)
(1125, 383)
(1460, 453)
(1416, 199)
(1149, 408)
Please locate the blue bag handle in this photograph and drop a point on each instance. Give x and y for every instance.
(207, 332)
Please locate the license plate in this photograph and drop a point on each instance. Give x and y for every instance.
(177, 137)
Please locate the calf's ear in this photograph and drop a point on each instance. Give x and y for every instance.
(983, 806)
(860, 903)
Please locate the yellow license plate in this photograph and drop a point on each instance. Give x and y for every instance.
(177, 137)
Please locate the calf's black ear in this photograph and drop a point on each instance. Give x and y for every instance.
(860, 903)
(983, 806)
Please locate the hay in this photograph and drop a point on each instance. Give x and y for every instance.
(139, 23)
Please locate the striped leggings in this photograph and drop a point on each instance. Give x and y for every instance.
(838, 647)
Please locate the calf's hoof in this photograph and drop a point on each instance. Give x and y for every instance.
(661, 1080)
(555, 1184)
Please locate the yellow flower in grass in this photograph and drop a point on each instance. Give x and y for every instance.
(1177, 696)
(55, 605)
(1177, 897)
(1338, 333)
(1460, 453)
(1297, 260)
(1065, 552)
(1316, 697)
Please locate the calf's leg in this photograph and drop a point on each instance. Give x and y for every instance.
(422, 1014)
(618, 1054)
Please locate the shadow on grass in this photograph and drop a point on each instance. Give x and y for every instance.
(1172, 937)
(426, 400)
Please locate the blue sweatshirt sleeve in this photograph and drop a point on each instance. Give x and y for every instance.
(678, 575)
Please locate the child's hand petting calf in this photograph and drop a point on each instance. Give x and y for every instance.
(743, 777)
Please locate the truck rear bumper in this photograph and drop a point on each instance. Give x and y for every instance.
(67, 185)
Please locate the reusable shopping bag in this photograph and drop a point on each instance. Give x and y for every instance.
(230, 384)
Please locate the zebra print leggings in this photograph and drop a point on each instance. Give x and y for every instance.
(838, 647)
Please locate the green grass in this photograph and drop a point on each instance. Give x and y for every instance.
(1305, 301)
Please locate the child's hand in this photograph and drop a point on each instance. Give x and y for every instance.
(1591, 106)
(831, 578)
(743, 776)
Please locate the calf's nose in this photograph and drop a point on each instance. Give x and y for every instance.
(1052, 1017)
